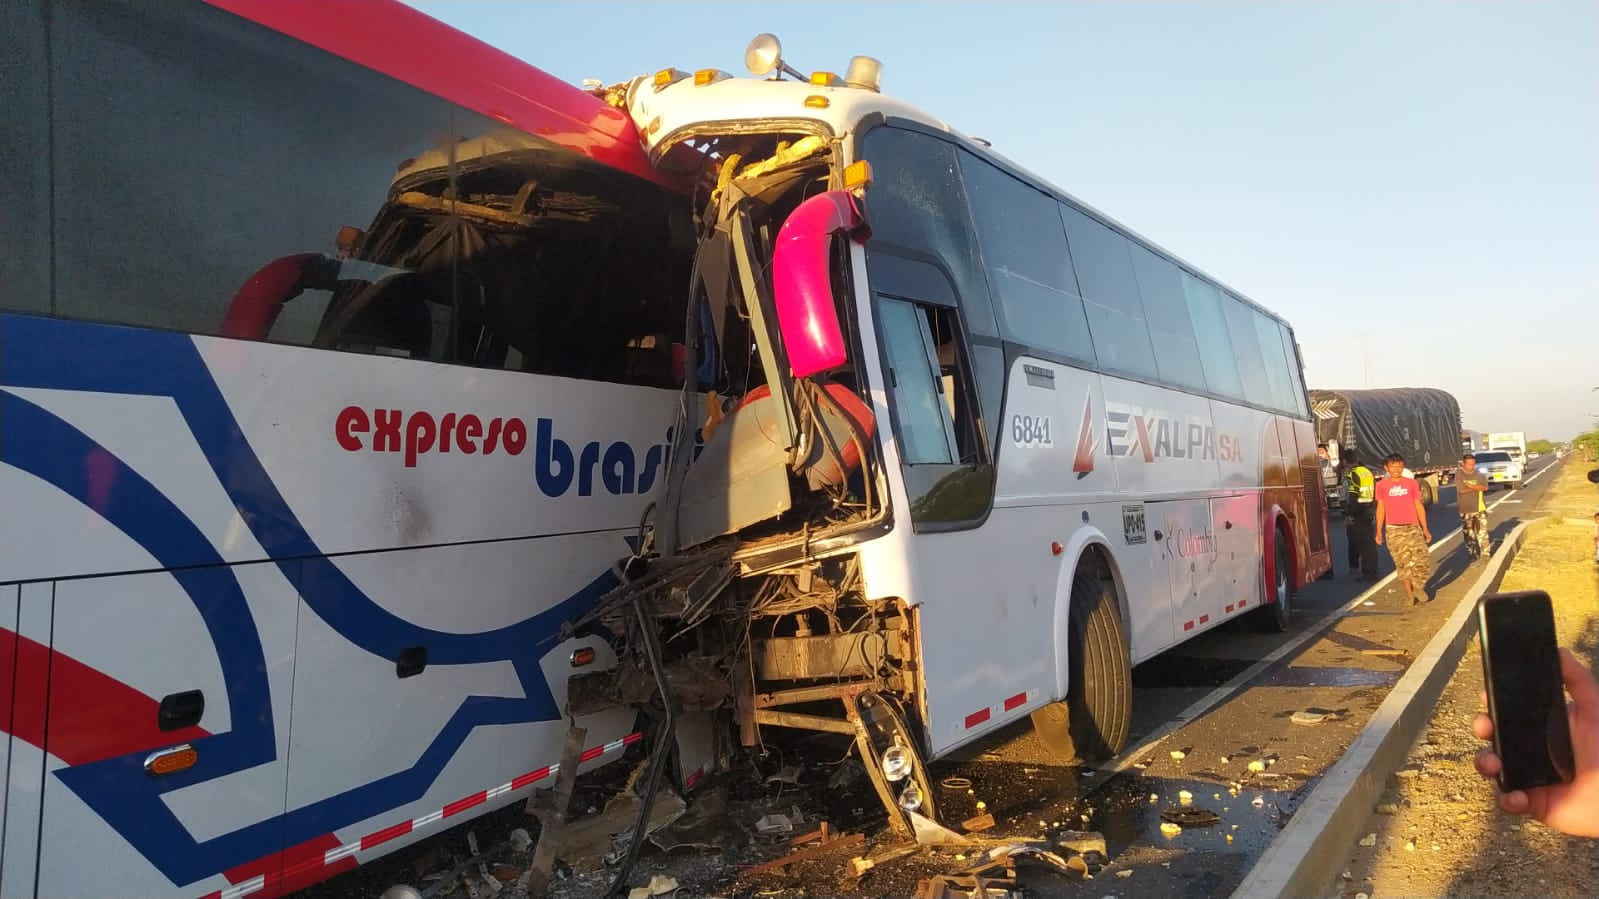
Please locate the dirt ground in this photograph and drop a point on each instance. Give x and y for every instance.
(1437, 829)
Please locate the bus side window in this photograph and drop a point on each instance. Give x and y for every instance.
(932, 393)
(926, 418)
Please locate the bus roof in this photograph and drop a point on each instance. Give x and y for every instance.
(735, 98)
(389, 37)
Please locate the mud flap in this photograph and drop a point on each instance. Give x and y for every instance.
(698, 748)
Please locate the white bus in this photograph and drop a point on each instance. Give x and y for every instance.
(987, 449)
(328, 392)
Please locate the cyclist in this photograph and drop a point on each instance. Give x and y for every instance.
(1471, 486)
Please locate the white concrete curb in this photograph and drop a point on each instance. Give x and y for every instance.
(1305, 859)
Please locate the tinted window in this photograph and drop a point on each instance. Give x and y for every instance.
(221, 147)
(25, 174)
(1492, 457)
(1024, 251)
(1291, 350)
(1240, 319)
(1210, 330)
(916, 202)
(1276, 362)
(1171, 331)
(1104, 264)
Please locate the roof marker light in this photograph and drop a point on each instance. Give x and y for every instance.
(858, 174)
(864, 72)
(667, 77)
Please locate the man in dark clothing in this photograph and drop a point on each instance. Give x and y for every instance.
(1360, 521)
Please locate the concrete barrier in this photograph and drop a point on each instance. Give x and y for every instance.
(1307, 857)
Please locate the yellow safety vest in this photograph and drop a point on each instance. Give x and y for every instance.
(1362, 485)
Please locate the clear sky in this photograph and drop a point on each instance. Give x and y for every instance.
(1414, 185)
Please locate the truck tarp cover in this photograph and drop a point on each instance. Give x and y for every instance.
(1420, 423)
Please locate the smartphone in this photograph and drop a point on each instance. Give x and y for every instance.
(1526, 697)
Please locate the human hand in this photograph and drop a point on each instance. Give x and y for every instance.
(1379, 538)
(1571, 808)
(1426, 535)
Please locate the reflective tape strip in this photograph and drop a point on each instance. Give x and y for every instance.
(393, 831)
(1011, 704)
(253, 885)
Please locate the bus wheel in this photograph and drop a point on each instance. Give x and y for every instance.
(1273, 617)
(1091, 724)
(1429, 491)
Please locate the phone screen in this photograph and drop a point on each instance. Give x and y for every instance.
(1521, 665)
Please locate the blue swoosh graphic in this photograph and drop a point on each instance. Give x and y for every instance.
(64, 355)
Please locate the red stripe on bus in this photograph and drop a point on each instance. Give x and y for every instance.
(93, 716)
(292, 869)
(1229, 607)
(1204, 619)
(1188, 625)
(1016, 701)
(976, 718)
(461, 805)
(518, 783)
(386, 834)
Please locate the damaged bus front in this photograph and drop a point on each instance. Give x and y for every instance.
(747, 600)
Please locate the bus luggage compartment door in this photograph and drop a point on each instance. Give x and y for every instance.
(24, 660)
(128, 654)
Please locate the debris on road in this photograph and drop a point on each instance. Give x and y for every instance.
(1312, 716)
(842, 842)
(659, 885)
(978, 823)
(1190, 816)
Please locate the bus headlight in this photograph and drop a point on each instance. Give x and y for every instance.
(910, 798)
(896, 763)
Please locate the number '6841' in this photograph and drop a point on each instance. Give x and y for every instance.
(1030, 430)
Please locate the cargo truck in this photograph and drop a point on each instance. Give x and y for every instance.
(1512, 442)
(1422, 424)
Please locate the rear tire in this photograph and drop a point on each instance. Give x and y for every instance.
(1091, 724)
(1274, 617)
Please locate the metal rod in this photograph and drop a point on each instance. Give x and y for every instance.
(803, 722)
(652, 654)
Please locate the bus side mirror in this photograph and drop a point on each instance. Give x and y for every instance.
(802, 280)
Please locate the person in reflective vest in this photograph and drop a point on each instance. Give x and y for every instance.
(1360, 517)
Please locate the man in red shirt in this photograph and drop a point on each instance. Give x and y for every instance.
(1402, 519)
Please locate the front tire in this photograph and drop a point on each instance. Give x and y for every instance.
(1091, 724)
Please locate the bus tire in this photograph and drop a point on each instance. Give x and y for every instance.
(1429, 491)
(1091, 724)
(1273, 617)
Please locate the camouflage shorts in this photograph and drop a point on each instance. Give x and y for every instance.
(1409, 549)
